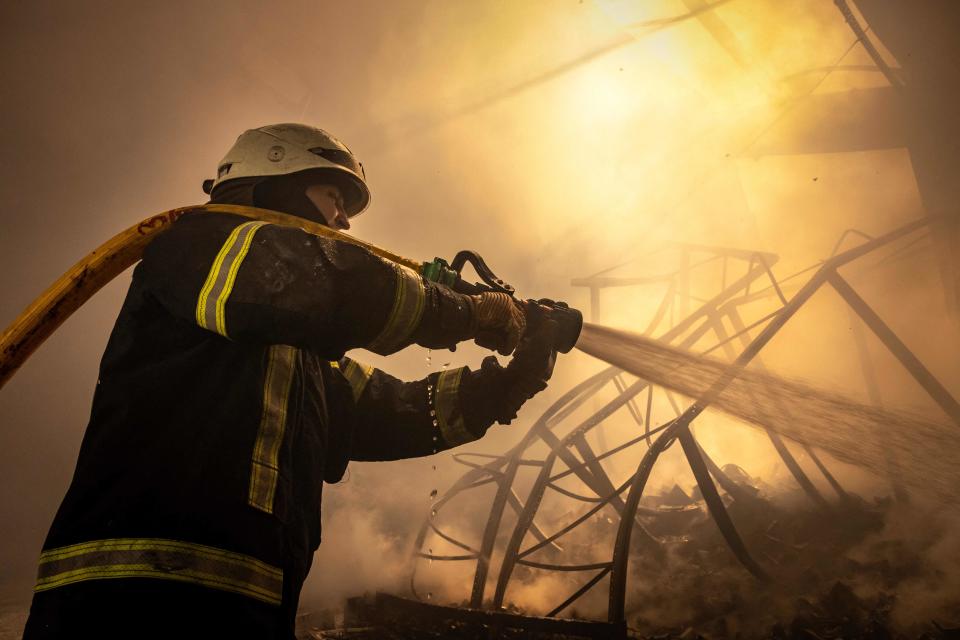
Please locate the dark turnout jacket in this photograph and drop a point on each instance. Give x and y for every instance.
(224, 401)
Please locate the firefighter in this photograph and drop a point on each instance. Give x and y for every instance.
(225, 400)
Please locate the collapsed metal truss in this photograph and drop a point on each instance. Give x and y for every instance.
(746, 278)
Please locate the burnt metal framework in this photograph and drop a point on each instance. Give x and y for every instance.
(753, 271)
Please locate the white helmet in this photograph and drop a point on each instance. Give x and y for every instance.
(279, 149)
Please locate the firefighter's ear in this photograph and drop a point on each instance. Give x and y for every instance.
(208, 185)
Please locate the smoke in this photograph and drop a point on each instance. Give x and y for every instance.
(381, 566)
(557, 139)
(924, 559)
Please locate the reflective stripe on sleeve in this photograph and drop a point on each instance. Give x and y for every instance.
(223, 273)
(358, 375)
(405, 315)
(162, 559)
(273, 418)
(449, 416)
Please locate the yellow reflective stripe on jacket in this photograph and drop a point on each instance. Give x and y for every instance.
(266, 451)
(162, 559)
(449, 417)
(405, 315)
(219, 284)
(358, 375)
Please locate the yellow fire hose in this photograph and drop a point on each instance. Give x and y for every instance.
(76, 286)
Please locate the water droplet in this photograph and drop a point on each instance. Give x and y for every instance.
(429, 595)
(434, 467)
(433, 494)
(433, 513)
(429, 357)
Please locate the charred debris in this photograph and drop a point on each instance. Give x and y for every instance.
(837, 581)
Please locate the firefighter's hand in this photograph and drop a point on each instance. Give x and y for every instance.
(495, 393)
(533, 361)
(500, 322)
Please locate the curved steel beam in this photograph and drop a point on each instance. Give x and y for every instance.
(565, 567)
(575, 523)
(512, 552)
(535, 496)
(557, 411)
(579, 592)
(621, 547)
(710, 495)
(453, 540)
(562, 406)
(596, 480)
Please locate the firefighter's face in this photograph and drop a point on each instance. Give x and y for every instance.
(329, 202)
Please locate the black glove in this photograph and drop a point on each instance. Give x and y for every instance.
(496, 393)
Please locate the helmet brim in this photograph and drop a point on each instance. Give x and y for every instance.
(356, 196)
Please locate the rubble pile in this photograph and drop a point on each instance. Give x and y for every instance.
(850, 571)
(835, 573)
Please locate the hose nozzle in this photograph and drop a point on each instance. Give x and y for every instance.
(570, 323)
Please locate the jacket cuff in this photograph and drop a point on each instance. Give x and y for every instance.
(446, 410)
(484, 397)
(448, 318)
(406, 313)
